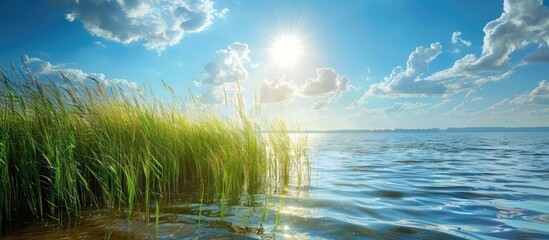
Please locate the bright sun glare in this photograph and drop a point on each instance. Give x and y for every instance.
(286, 50)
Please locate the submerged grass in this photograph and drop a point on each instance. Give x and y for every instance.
(75, 144)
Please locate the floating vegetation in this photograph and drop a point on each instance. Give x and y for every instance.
(69, 145)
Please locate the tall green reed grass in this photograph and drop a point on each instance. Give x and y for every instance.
(65, 146)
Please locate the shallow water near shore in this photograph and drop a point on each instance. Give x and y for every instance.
(365, 185)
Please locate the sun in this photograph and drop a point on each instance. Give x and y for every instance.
(287, 50)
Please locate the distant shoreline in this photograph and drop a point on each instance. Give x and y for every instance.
(435, 130)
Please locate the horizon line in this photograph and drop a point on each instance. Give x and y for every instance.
(447, 129)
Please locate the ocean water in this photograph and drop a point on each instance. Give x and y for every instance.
(372, 186)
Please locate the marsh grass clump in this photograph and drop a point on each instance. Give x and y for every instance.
(67, 145)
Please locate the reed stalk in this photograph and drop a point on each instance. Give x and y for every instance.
(67, 145)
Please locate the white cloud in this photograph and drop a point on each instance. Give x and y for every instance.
(225, 70)
(398, 108)
(158, 23)
(42, 68)
(221, 93)
(229, 65)
(540, 95)
(409, 107)
(255, 65)
(70, 17)
(522, 23)
(408, 82)
(476, 99)
(463, 84)
(327, 82)
(98, 43)
(499, 105)
(327, 85)
(45, 69)
(320, 105)
(222, 13)
(456, 39)
(441, 103)
(470, 93)
(502, 112)
(458, 109)
(276, 91)
(543, 111)
(368, 76)
(462, 110)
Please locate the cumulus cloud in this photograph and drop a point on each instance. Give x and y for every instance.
(227, 67)
(276, 91)
(45, 69)
(523, 22)
(158, 23)
(327, 82)
(540, 95)
(456, 39)
(327, 85)
(408, 82)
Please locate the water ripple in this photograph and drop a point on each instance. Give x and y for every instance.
(440, 186)
(380, 186)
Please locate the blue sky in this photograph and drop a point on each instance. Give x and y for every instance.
(325, 64)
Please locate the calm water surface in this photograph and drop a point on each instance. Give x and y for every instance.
(430, 185)
(373, 186)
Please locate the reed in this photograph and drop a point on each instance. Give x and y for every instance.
(75, 144)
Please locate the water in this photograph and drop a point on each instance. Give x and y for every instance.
(430, 185)
(373, 185)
